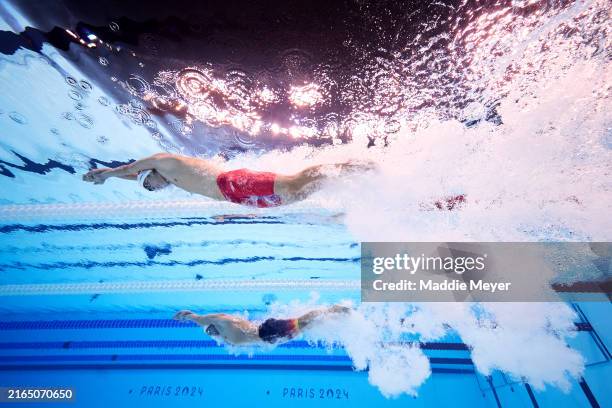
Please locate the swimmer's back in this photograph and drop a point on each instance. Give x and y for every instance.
(192, 174)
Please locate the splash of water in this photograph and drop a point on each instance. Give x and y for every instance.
(385, 339)
(542, 173)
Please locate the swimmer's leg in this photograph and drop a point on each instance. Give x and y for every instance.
(309, 318)
(304, 183)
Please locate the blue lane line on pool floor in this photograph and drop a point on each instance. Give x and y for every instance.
(50, 248)
(210, 366)
(171, 344)
(129, 324)
(151, 262)
(204, 357)
(42, 228)
(211, 357)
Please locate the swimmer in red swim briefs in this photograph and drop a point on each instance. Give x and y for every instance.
(242, 186)
(235, 330)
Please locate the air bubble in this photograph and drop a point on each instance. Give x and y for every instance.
(136, 104)
(67, 115)
(85, 120)
(55, 131)
(114, 26)
(136, 114)
(392, 126)
(244, 140)
(79, 106)
(121, 109)
(103, 101)
(75, 95)
(103, 61)
(86, 86)
(177, 125)
(71, 81)
(102, 139)
(151, 124)
(181, 127)
(137, 85)
(194, 84)
(18, 117)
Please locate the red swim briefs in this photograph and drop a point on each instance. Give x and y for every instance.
(253, 188)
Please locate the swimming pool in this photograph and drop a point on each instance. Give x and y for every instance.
(90, 276)
(93, 312)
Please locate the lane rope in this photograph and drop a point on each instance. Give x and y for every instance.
(178, 286)
(147, 208)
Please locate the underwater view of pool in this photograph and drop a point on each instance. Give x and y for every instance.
(385, 122)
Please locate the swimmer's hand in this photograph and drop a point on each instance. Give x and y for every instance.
(96, 176)
(184, 315)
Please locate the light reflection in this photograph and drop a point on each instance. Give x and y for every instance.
(481, 57)
(73, 35)
(305, 96)
(266, 95)
(216, 102)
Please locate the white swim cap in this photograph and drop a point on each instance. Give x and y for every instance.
(142, 176)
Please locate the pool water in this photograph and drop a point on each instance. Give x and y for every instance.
(90, 276)
(87, 302)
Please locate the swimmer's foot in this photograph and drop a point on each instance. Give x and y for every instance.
(449, 203)
(224, 217)
(339, 309)
(354, 165)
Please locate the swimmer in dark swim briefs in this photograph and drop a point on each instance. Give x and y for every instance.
(242, 186)
(237, 331)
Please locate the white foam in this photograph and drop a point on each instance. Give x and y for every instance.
(544, 174)
(524, 340)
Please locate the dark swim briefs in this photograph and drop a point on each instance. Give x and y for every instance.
(253, 188)
(273, 330)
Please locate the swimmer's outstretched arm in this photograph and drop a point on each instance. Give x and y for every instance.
(129, 171)
(234, 330)
(130, 177)
(204, 320)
